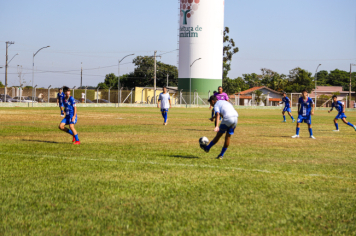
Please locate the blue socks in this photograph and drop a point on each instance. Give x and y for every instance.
(337, 126)
(165, 116)
(284, 117)
(70, 132)
(210, 145)
(76, 137)
(297, 133)
(350, 124)
(292, 117)
(223, 151)
(311, 132)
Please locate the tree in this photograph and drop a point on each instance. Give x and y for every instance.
(234, 85)
(143, 74)
(252, 80)
(273, 80)
(229, 50)
(109, 81)
(1, 85)
(300, 79)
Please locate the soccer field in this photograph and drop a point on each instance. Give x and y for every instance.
(131, 175)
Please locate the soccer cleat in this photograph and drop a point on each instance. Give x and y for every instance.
(73, 139)
(295, 136)
(219, 157)
(336, 130)
(355, 127)
(77, 143)
(284, 121)
(293, 120)
(204, 147)
(312, 137)
(62, 115)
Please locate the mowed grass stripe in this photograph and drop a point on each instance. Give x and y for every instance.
(199, 167)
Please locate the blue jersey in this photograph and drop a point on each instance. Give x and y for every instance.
(60, 97)
(286, 102)
(305, 106)
(339, 106)
(69, 106)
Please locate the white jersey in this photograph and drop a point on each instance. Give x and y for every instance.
(225, 109)
(164, 98)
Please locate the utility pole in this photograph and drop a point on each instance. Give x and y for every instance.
(167, 79)
(81, 74)
(155, 77)
(8, 43)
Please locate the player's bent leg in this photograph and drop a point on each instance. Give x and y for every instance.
(75, 134)
(62, 126)
(311, 131)
(226, 145)
(213, 142)
(297, 130)
(348, 123)
(336, 125)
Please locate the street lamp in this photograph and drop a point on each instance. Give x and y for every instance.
(33, 68)
(118, 78)
(190, 82)
(316, 76)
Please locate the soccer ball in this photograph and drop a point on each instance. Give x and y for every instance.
(203, 141)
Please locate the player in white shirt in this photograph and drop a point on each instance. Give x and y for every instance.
(165, 104)
(228, 123)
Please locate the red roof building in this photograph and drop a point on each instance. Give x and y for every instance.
(248, 97)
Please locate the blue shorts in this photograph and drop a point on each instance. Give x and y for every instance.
(164, 110)
(287, 109)
(305, 119)
(224, 128)
(61, 105)
(341, 116)
(68, 120)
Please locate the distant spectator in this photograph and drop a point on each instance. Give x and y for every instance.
(355, 104)
(83, 97)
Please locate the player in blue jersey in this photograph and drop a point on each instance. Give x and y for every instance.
(60, 99)
(230, 117)
(341, 113)
(287, 107)
(165, 104)
(305, 111)
(70, 109)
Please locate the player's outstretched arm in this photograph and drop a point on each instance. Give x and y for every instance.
(312, 111)
(170, 103)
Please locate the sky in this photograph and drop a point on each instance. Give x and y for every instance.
(275, 34)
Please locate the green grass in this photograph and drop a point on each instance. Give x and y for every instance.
(133, 176)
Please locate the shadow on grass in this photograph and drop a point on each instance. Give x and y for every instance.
(186, 157)
(41, 141)
(198, 130)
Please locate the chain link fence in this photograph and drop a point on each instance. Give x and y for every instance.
(145, 95)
